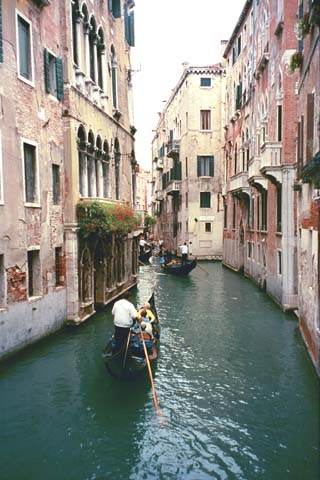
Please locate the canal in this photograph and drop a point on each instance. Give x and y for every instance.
(236, 387)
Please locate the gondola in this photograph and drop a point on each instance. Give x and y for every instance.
(130, 362)
(145, 256)
(180, 269)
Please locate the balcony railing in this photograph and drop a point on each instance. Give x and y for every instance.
(173, 148)
(173, 187)
(239, 182)
(271, 154)
(159, 195)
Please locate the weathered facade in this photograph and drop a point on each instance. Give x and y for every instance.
(100, 163)
(32, 253)
(260, 151)
(187, 164)
(308, 176)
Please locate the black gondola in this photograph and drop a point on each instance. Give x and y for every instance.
(179, 268)
(145, 256)
(130, 361)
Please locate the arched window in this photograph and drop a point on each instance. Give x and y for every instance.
(75, 20)
(134, 178)
(247, 149)
(85, 38)
(82, 159)
(100, 54)
(235, 159)
(243, 152)
(92, 177)
(105, 169)
(92, 49)
(114, 75)
(117, 157)
(98, 165)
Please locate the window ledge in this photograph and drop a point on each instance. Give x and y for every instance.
(120, 284)
(57, 288)
(25, 80)
(205, 131)
(86, 304)
(110, 290)
(279, 234)
(32, 205)
(35, 298)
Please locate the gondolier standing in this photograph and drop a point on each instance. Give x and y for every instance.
(124, 313)
(184, 253)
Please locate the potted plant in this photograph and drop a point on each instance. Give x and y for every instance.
(303, 27)
(296, 61)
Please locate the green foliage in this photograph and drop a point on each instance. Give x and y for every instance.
(149, 221)
(296, 61)
(102, 219)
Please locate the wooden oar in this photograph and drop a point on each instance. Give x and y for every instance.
(153, 388)
(125, 356)
(201, 268)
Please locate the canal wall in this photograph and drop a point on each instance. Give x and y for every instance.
(27, 322)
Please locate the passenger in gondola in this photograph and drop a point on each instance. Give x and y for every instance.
(124, 314)
(145, 323)
(146, 310)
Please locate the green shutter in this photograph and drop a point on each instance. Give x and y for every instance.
(59, 73)
(199, 166)
(211, 166)
(116, 8)
(46, 61)
(131, 30)
(126, 24)
(110, 5)
(1, 42)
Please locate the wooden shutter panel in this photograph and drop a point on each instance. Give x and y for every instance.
(59, 74)
(127, 24)
(46, 70)
(199, 166)
(131, 30)
(116, 8)
(110, 2)
(211, 166)
(1, 41)
(310, 126)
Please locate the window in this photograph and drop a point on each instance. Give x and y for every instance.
(234, 215)
(187, 200)
(279, 267)
(279, 208)
(225, 216)
(59, 266)
(2, 282)
(117, 155)
(239, 45)
(24, 42)
(1, 42)
(114, 78)
(249, 250)
(56, 184)
(53, 74)
(208, 227)
(205, 82)
(92, 50)
(205, 166)
(1, 174)
(100, 58)
(310, 126)
(205, 199)
(264, 209)
(205, 119)
(30, 173)
(279, 123)
(115, 8)
(75, 17)
(34, 274)
(129, 25)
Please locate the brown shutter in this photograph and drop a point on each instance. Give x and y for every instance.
(310, 126)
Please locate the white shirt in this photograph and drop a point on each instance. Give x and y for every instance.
(123, 312)
(142, 242)
(184, 249)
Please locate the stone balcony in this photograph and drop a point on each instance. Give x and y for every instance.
(270, 166)
(159, 195)
(173, 148)
(173, 187)
(239, 183)
(254, 176)
(160, 164)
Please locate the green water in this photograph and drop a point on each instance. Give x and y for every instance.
(234, 381)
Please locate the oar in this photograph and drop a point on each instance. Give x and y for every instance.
(125, 356)
(201, 268)
(153, 388)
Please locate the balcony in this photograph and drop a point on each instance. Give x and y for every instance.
(239, 183)
(160, 164)
(173, 148)
(255, 178)
(173, 187)
(159, 195)
(263, 60)
(270, 165)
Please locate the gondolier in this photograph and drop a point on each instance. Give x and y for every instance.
(184, 253)
(124, 314)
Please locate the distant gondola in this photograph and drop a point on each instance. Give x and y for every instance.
(130, 361)
(179, 268)
(145, 256)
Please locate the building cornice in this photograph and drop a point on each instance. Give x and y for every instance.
(235, 32)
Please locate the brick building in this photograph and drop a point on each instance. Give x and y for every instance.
(32, 254)
(308, 174)
(187, 164)
(260, 214)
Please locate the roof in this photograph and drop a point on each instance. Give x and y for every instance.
(235, 32)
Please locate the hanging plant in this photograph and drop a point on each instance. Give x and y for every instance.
(303, 27)
(102, 219)
(296, 61)
(314, 18)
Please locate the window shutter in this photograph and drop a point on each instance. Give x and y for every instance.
(126, 24)
(116, 8)
(110, 5)
(199, 166)
(310, 126)
(1, 42)
(59, 74)
(211, 166)
(46, 70)
(131, 30)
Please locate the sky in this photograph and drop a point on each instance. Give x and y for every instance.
(168, 33)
